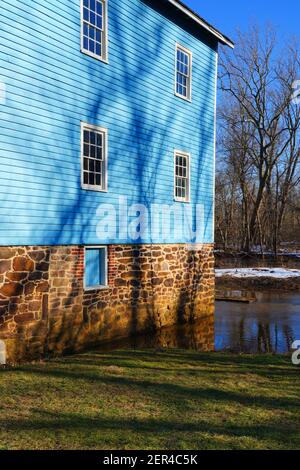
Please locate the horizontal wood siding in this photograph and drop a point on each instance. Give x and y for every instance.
(51, 87)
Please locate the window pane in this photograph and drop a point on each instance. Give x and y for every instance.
(99, 153)
(93, 138)
(98, 49)
(99, 22)
(98, 180)
(99, 140)
(86, 150)
(91, 46)
(92, 18)
(91, 178)
(98, 36)
(92, 165)
(92, 32)
(98, 166)
(99, 8)
(86, 14)
(92, 151)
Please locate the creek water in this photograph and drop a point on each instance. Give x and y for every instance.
(269, 325)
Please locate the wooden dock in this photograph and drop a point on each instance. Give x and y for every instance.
(230, 297)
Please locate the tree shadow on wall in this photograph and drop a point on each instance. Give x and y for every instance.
(137, 85)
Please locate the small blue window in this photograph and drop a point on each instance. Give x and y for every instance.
(95, 268)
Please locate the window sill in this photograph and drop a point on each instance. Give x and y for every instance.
(96, 288)
(182, 201)
(188, 100)
(93, 188)
(94, 56)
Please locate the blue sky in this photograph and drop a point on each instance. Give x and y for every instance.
(227, 15)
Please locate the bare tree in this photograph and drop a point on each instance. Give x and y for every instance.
(260, 131)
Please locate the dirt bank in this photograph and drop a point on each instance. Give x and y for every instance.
(257, 283)
(243, 260)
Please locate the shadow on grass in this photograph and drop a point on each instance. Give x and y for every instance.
(71, 422)
(172, 360)
(92, 368)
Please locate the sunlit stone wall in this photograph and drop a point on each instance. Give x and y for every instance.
(45, 310)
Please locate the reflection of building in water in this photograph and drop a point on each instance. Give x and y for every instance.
(198, 336)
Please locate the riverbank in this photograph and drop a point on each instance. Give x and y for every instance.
(148, 400)
(284, 259)
(258, 279)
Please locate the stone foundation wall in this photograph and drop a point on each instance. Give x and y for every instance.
(45, 310)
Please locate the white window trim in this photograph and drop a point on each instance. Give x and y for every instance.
(187, 51)
(100, 287)
(104, 57)
(187, 199)
(90, 187)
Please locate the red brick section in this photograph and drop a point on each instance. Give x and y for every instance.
(44, 308)
(78, 259)
(112, 265)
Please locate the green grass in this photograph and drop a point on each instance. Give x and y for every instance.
(148, 400)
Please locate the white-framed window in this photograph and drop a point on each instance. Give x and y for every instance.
(95, 267)
(181, 176)
(93, 157)
(183, 78)
(94, 28)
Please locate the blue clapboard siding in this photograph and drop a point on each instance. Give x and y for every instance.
(52, 87)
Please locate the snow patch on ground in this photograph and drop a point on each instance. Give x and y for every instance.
(275, 273)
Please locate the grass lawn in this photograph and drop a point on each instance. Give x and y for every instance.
(148, 400)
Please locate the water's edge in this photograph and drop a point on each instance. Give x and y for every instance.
(269, 325)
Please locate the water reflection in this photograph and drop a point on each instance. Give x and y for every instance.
(198, 336)
(270, 325)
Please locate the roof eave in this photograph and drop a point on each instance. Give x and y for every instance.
(187, 11)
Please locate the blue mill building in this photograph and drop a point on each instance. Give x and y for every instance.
(107, 116)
